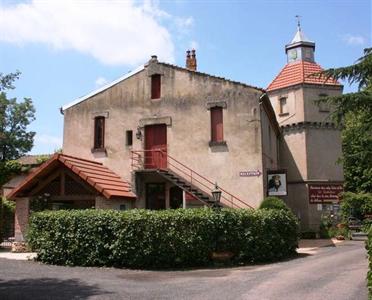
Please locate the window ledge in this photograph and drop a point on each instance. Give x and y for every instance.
(324, 111)
(221, 143)
(283, 114)
(99, 150)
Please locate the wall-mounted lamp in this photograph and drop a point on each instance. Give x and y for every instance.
(139, 133)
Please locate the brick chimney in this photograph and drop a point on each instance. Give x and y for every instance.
(191, 60)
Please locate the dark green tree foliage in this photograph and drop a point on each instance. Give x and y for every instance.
(369, 275)
(354, 112)
(356, 205)
(15, 116)
(161, 239)
(7, 209)
(357, 151)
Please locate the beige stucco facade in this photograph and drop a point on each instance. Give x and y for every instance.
(184, 106)
(310, 147)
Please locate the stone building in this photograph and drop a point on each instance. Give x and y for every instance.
(162, 135)
(310, 143)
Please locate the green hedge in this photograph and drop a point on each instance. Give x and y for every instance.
(161, 239)
(369, 276)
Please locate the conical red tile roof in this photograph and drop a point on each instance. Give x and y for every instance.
(297, 73)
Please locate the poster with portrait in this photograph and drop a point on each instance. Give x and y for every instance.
(277, 183)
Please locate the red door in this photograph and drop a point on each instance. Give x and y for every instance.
(156, 140)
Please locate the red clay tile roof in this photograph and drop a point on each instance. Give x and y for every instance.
(299, 72)
(101, 178)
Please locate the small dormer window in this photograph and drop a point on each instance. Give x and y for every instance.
(155, 86)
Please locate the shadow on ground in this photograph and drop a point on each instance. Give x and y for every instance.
(47, 288)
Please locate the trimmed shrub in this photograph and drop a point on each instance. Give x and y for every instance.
(369, 275)
(273, 203)
(161, 239)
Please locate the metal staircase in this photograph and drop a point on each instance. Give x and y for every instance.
(193, 183)
(182, 183)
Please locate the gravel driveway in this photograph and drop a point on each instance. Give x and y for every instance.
(328, 273)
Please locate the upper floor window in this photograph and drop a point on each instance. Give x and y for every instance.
(216, 124)
(283, 107)
(99, 132)
(155, 86)
(323, 105)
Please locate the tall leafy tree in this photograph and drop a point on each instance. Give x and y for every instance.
(354, 112)
(15, 116)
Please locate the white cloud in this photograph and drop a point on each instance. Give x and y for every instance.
(100, 81)
(114, 32)
(49, 140)
(354, 39)
(184, 23)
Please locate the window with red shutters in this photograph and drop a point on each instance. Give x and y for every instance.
(216, 124)
(99, 132)
(155, 86)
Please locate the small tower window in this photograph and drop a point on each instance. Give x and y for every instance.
(216, 124)
(283, 107)
(99, 132)
(324, 105)
(155, 86)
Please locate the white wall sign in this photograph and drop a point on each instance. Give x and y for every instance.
(256, 173)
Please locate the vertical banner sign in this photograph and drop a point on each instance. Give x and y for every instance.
(277, 183)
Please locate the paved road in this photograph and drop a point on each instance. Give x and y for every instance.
(329, 273)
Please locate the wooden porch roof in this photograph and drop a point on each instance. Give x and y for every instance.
(95, 174)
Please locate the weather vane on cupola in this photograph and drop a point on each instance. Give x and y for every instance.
(298, 22)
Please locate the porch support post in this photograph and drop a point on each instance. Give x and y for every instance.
(22, 213)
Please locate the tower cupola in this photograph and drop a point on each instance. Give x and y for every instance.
(300, 48)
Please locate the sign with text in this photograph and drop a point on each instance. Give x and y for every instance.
(250, 173)
(325, 193)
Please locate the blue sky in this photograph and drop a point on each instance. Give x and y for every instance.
(66, 49)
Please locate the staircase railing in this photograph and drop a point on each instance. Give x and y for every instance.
(154, 159)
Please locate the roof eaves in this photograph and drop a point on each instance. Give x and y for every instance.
(105, 87)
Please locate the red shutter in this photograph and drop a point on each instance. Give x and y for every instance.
(217, 124)
(155, 86)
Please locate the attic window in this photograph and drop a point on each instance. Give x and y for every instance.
(99, 133)
(155, 86)
(216, 125)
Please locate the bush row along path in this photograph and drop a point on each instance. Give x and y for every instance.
(329, 273)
